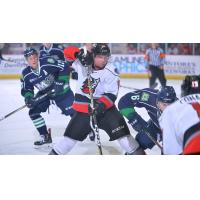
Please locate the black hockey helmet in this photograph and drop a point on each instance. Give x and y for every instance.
(101, 49)
(167, 94)
(30, 51)
(190, 85)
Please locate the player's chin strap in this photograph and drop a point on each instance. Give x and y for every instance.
(20, 108)
(93, 119)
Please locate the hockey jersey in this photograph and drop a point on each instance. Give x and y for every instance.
(105, 86)
(176, 119)
(43, 79)
(56, 51)
(144, 98)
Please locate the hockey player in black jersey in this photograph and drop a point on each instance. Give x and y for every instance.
(46, 75)
(145, 98)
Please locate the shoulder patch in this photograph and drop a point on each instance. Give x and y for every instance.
(145, 96)
(51, 60)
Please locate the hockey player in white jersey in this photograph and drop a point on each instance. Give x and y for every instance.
(180, 122)
(105, 85)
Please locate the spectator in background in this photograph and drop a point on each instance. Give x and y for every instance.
(143, 47)
(185, 49)
(197, 49)
(155, 58)
(172, 49)
(132, 48)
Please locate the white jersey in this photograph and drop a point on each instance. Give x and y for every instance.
(103, 81)
(176, 119)
(105, 84)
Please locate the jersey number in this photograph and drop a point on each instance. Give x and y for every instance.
(135, 97)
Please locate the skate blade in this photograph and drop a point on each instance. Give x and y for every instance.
(44, 147)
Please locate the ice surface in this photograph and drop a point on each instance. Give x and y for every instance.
(17, 132)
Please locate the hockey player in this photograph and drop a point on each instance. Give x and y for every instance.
(55, 51)
(105, 84)
(180, 122)
(145, 98)
(46, 74)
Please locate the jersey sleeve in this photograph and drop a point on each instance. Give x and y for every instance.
(61, 54)
(27, 88)
(162, 56)
(64, 71)
(111, 89)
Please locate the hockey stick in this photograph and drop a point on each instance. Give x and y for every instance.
(20, 108)
(130, 88)
(153, 140)
(12, 112)
(93, 119)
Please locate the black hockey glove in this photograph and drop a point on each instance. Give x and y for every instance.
(99, 108)
(74, 75)
(58, 87)
(30, 102)
(84, 59)
(137, 122)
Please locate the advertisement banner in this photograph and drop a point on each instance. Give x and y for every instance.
(130, 65)
(134, 64)
(13, 64)
(174, 65)
(182, 65)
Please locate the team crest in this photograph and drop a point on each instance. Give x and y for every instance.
(145, 96)
(51, 60)
(85, 88)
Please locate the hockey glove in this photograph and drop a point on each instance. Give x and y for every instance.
(74, 75)
(99, 108)
(30, 102)
(137, 122)
(84, 59)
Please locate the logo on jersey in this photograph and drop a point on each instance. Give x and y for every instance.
(145, 96)
(50, 60)
(85, 88)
